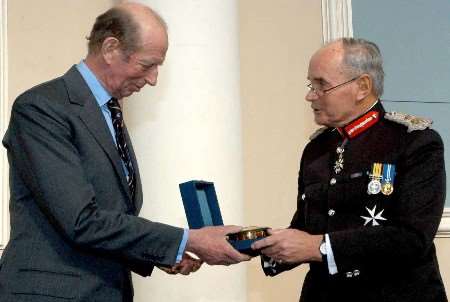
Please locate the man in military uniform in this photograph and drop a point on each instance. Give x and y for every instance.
(371, 190)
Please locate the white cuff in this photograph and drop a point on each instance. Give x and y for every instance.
(332, 268)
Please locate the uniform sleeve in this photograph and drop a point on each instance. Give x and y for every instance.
(298, 220)
(41, 147)
(418, 205)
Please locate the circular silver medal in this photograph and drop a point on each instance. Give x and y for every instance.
(374, 186)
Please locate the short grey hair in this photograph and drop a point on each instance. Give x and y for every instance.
(363, 56)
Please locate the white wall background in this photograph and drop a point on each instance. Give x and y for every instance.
(189, 127)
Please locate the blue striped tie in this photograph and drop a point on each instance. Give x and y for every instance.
(122, 148)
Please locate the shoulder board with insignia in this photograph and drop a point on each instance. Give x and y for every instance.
(317, 133)
(408, 120)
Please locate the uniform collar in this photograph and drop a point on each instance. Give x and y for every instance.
(363, 122)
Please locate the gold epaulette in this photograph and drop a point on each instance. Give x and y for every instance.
(410, 121)
(317, 133)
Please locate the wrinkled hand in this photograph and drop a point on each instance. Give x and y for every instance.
(187, 265)
(290, 246)
(210, 245)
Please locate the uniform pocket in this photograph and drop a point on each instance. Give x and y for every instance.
(355, 190)
(47, 283)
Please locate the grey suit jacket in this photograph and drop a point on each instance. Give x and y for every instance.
(75, 234)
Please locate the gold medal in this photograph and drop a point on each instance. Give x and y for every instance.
(249, 233)
(387, 188)
(387, 183)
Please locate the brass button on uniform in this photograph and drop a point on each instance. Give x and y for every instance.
(331, 212)
(333, 181)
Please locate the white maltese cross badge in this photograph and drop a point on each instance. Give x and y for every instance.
(374, 218)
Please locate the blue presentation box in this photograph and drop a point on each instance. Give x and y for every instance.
(200, 204)
(202, 209)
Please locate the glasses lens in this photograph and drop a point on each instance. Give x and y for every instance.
(316, 91)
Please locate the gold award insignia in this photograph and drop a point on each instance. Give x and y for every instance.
(387, 189)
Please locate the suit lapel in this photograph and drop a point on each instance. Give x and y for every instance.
(92, 117)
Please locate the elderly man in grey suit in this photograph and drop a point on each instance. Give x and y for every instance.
(74, 179)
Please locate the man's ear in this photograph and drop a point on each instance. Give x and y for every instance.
(364, 86)
(110, 49)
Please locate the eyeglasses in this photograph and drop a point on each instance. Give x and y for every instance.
(321, 92)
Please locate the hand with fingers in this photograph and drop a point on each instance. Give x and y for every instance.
(210, 244)
(186, 266)
(290, 246)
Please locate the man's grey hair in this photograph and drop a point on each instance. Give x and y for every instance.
(119, 23)
(362, 56)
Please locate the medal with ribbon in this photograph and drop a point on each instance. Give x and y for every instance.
(374, 186)
(387, 182)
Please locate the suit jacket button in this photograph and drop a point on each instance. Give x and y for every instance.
(303, 196)
(331, 212)
(356, 273)
(349, 274)
(333, 181)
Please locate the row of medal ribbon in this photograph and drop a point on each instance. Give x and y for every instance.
(381, 179)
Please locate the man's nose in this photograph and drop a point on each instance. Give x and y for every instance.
(310, 95)
(152, 77)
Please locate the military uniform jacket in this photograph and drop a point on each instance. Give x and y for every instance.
(382, 244)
